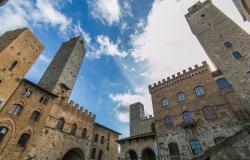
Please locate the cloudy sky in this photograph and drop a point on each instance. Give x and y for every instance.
(130, 44)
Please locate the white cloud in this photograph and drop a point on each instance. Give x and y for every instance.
(16, 14)
(86, 36)
(167, 45)
(107, 11)
(105, 47)
(44, 59)
(124, 100)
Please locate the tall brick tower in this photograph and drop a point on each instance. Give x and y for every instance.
(226, 44)
(136, 115)
(19, 49)
(62, 72)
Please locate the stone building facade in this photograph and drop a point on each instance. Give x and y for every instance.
(225, 43)
(38, 121)
(104, 144)
(142, 141)
(244, 8)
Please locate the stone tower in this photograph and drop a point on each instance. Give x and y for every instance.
(19, 49)
(244, 8)
(226, 44)
(62, 72)
(136, 115)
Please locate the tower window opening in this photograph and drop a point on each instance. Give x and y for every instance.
(248, 74)
(237, 55)
(44, 100)
(13, 65)
(203, 15)
(3, 132)
(228, 45)
(35, 116)
(164, 102)
(23, 139)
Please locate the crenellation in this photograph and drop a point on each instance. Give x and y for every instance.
(174, 79)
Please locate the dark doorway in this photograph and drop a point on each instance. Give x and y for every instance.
(74, 154)
(131, 155)
(148, 154)
(100, 155)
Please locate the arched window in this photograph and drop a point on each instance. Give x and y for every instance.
(153, 127)
(195, 146)
(173, 149)
(23, 139)
(16, 110)
(168, 121)
(35, 116)
(187, 117)
(181, 97)
(102, 139)
(73, 129)
(223, 83)
(93, 152)
(26, 92)
(96, 138)
(199, 91)
(227, 45)
(164, 102)
(100, 155)
(13, 65)
(237, 55)
(209, 112)
(3, 132)
(84, 133)
(248, 74)
(60, 124)
(218, 139)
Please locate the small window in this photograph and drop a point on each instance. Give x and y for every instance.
(26, 92)
(223, 83)
(187, 118)
(100, 155)
(203, 15)
(73, 129)
(199, 91)
(102, 139)
(108, 136)
(168, 121)
(23, 140)
(96, 138)
(35, 116)
(173, 149)
(3, 132)
(209, 112)
(93, 152)
(84, 133)
(44, 100)
(237, 55)
(164, 102)
(181, 97)
(60, 124)
(16, 110)
(107, 146)
(227, 45)
(195, 146)
(248, 74)
(13, 65)
(153, 127)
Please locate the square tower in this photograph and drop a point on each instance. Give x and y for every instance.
(226, 44)
(136, 115)
(19, 49)
(62, 72)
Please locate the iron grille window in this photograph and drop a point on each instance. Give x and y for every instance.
(181, 97)
(164, 102)
(199, 91)
(195, 146)
(16, 110)
(3, 132)
(168, 121)
(209, 112)
(187, 117)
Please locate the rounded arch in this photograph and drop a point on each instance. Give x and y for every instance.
(74, 154)
(131, 155)
(9, 123)
(148, 154)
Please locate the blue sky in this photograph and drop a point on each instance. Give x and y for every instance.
(130, 44)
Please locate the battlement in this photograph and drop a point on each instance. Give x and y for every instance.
(175, 79)
(197, 6)
(76, 109)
